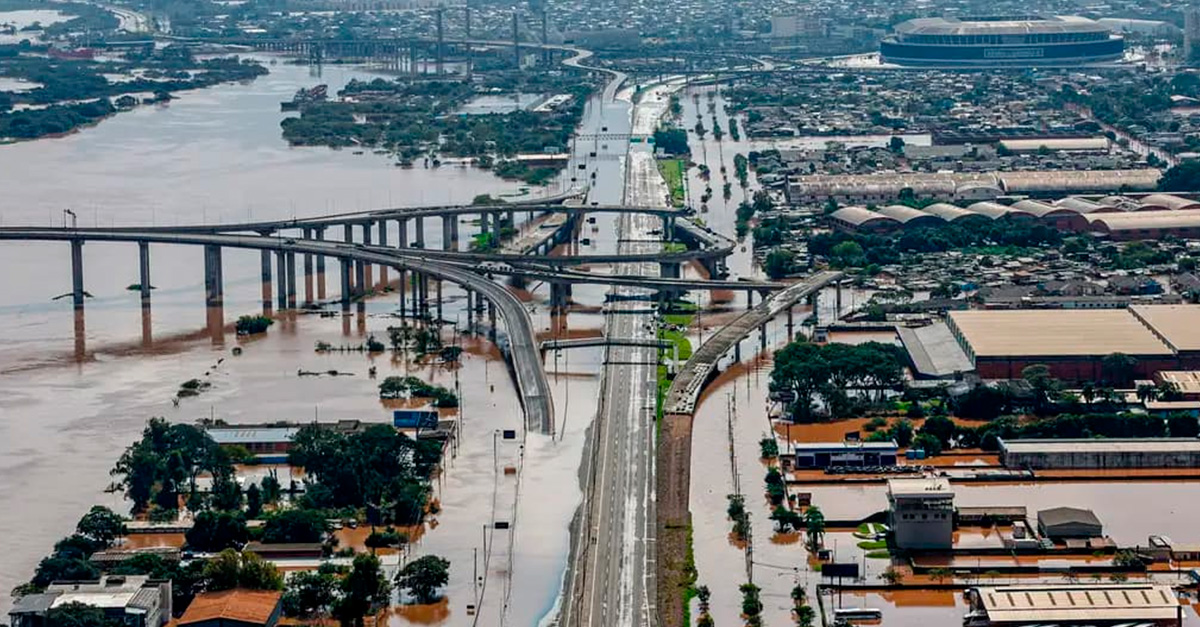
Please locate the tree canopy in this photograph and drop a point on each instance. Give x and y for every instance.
(423, 576)
(828, 371)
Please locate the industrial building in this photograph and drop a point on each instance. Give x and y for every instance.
(1186, 381)
(1101, 453)
(848, 454)
(997, 41)
(964, 187)
(921, 512)
(132, 600)
(1099, 605)
(1069, 522)
(1074, 342)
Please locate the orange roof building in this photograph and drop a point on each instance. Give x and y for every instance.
(233, 608)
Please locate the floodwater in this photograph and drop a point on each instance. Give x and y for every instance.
(28, 17)
(74, 391)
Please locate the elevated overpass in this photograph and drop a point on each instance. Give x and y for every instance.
(685, 389)
(533, 388)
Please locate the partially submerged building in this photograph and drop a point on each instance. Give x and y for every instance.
(846, 454)
(133, 600)
(921, 512)
(1039, 454)
(1100, 605)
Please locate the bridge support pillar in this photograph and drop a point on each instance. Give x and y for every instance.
(438, 287)
(320, 235)
(280, 281)
(447, 234)
(762, 337)
(838, 302)
(383, 241)
(491, 311)
(360, 280)
(454, 232)
(483, 223)
(517, 281)
(670, 269)
(347, 285)
(368, 280)
(790, 327)
(559, 298)
(419, 237)
(214, 288)
(749, 299)
(266, 281)
(308, 272)
(77, 273)
(144, 272)
(510, 219)
(470, 309)
(402, 287)
(668, 228)
(291, 279)
(402, 237)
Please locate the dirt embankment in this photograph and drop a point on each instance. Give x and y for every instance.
(675, 573)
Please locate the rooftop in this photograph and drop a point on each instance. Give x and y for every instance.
(1188, 381)
(249, 606)
(919, 487)
(1055, 332)
(1041, 604)
(242, 435)
(1177, 325)
(1101, 445)
(986, 26)
(849, 446)
(1067, 516)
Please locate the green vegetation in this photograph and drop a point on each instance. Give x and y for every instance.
(423, 576)
(829, 371)
(164, 464)
(768, 448)
(232, 569)
(780, 263)
(250, 325)
(804, 614)
(741, 167)
(814, 525)
(752, 605)
(738, 514)
(872, 545)
(1184, 177)
(378, 468)
(845, 250)
(672, 141)
(672, 171)
(395, 387)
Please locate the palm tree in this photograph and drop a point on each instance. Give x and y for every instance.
(814, 523)
(1146, 392)
(1088, 392)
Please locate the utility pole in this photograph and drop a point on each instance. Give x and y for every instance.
(545, 50)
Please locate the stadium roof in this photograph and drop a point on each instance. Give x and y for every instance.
(986, 26)
(1048, 332)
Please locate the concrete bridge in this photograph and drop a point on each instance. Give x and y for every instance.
(686, 387)
(531, 381)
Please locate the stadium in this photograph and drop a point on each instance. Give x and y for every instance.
(983, 42)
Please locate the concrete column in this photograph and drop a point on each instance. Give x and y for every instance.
(403, 241)
(368, 269)
(144, 271)
(320, 267)
(402, 289)
(439, 299)
(348, 237)
(483, 223)
(749, 299)
(762, 336)
(838, 302)
(791, 333)
(419, 237)
(266, 281)
(470, 309)
(291, 279)
(558, 298)
(280, 281)
(213, 281)
(447, 237)
(491, 310)
(77, 273)
(360, 279)
(308, 272)
(344, 264)
(383, 241)
(670, 269)
(454, 231)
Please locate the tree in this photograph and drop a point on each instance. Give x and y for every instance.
(896, 144)
(232, 569)
(1118, 367)
(751, 603)
(253, 501)
(76, 614)
(902, 432)
(271, 490)
(779, 263)
(941, 428)
(310, 593)
(362, 589)
(892, 576)
(423, 576)
(101, 525)
(805, 616)
(1128, 560)
(814, 524)
(226, 493)
(1182, 426)
(295, 525)
(786, 519)
(56, 568)
(940, 575)
(928, 443)
(1184, 177)
(216, 531)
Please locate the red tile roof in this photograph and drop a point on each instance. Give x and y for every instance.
(250, 606)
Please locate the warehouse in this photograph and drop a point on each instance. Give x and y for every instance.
(955, 214)
(1066, 144)
(1038, 454)
(1045, 184)
(1178, 326)
(860, 220)
(1099, 605)
(1051, 215)
(1069, 522)
(1147, 225)
(1169, 202)
(996, 211)
(909, 217)
(1071, 342)
(847, 454)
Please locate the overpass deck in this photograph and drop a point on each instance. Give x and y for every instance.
(685, 389)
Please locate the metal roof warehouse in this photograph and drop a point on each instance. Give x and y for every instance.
(1076, 604)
